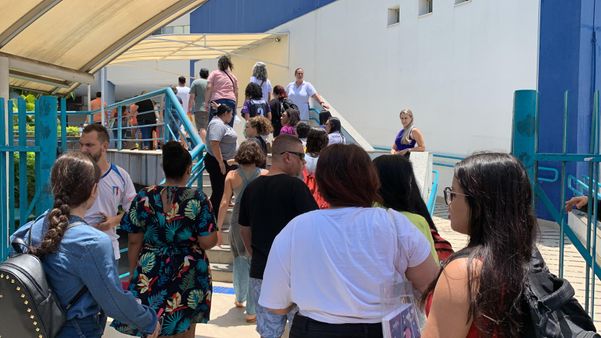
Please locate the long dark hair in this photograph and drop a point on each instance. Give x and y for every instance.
(399, 188)
(72, 179)
(335, 125)
(502, 230)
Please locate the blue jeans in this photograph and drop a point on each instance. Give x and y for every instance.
(241, 283)
(89, 327)
(227, 102)
(147, 135)
(269, 325)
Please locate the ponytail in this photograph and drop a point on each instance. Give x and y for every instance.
(73, 178)
(58, 219)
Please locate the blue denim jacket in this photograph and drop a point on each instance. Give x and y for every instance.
(85, 257)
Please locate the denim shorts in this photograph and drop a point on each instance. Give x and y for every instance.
(88, 327)
(269, 325)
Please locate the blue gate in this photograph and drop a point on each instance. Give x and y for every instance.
(525, 147)
(27, 153)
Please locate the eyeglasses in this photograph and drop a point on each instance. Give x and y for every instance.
(449, 195)
(300, 155)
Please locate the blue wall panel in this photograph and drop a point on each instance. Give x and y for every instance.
(566, 63)
(244, 16)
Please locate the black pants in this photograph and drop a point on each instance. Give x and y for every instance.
(217, 180)
(304, 327)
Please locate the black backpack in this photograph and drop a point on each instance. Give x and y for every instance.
(28, 306)
(554, 312)
(288, 104)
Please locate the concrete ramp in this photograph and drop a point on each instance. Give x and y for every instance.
(422, 167)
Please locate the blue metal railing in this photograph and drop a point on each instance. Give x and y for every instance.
(168, 128)
(39, 165)
(173, 116)
(525, 145)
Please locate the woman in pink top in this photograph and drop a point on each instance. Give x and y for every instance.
(290, 117)
(222, 87)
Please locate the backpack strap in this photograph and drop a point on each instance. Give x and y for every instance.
(76, 298)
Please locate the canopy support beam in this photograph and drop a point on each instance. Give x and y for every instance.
(26, 20)
(28, 66)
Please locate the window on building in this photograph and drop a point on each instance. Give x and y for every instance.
(457, 2)
(425, 7)
(394, 15)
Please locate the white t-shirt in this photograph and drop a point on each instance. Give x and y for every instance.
(311, 163)
(299, 95)
(114, 189)
(332, 263)
(265, 87)
(336, 138)
(184, 94)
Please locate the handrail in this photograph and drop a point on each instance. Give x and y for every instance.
(585, 187)
(171, 104)
(432, 198)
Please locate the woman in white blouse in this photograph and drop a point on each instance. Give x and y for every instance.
(332, 263)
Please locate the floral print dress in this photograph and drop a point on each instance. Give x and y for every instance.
(172, 276)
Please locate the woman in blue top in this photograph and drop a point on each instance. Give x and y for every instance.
(409, 138)
(76, 255)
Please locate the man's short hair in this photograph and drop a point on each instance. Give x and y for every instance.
(182, 79)
(283, 143)
(98, 94)
(103, 134)
(204, 73)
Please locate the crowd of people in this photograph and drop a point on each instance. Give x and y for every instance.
(316, 233)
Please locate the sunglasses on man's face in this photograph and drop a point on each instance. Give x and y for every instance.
(300, 155)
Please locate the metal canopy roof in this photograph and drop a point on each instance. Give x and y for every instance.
(190, 46)
(53, 45)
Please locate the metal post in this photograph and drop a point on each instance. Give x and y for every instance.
(595, 203)
(89, 97)
(120, 127)
(45, 120)
(564, 216)
(523, 142)
(103, 96)
(167, 119)
(4, 189)
(64, 125)
(23, 183)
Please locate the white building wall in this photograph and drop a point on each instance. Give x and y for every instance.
(456, 68)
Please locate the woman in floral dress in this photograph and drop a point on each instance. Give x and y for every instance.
(170, 226)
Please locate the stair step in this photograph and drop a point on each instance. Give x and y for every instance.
(222, 272)
(220, 255)
(226, 237)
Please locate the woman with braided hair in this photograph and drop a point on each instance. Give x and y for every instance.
(78, 259)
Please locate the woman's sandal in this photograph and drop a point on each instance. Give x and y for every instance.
(238, 304)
